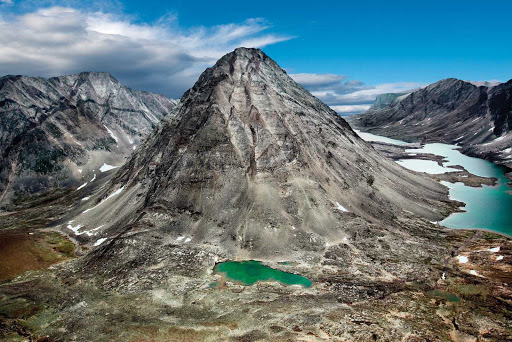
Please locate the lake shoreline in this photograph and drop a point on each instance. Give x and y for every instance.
(482, 188)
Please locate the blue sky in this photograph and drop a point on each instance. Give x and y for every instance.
(344, 52)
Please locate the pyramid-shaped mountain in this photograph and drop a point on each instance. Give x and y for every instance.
(252, 165)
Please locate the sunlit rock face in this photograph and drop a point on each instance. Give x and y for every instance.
(250, 165)
(58, 132)
(474, 115)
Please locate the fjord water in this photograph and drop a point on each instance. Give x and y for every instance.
(251, 271)
(487, 207)
(372, 137)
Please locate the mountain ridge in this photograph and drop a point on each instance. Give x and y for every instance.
(57, 131)
(452, 111)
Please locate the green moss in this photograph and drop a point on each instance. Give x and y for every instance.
(61, 244)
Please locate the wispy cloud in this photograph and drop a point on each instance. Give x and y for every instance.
(6, 2)
(350, 109)
(349, 96)
(160, 57)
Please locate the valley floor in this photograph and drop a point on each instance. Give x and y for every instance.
(370, 287)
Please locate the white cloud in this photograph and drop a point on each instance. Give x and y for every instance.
(159, 57)
(350, 109)
(7, 2)
(317, 80)
(349, 96)
(365, 96)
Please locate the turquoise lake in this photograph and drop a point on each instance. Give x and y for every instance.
(251, 271)
(487, 207)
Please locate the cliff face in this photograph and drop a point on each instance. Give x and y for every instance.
(476, 117)
(385, 100)
(58, 132)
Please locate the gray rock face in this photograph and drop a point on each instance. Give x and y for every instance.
(477, 117)
(385, 100)
(60, 131)
(253, 166)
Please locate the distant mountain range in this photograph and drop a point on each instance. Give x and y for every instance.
(59, 132)
(476, 116)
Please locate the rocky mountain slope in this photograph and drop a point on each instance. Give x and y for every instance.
(477, 117)
(251, 165)
(59, 132)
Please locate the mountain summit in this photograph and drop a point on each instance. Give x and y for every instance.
(250, 165)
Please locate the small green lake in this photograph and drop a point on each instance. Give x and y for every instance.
(252, 271)
(448, 296)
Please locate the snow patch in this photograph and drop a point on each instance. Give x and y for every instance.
(99, 242)
(473, 272)
(93, 178)
(106, 167)
(188, 239)
(111, 133)
(90, 232)
(494, 250)
(179, 238)
(81, 186)
(74, 228)
(79, 170)
(117, 192)
(462, 259)
(499, 258)
(341, 208)
(86, 198)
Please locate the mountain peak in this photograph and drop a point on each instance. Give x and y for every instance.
(248, 155)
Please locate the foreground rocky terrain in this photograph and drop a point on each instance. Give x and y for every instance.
(475, 116)
(59, 132)
(251, 166)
